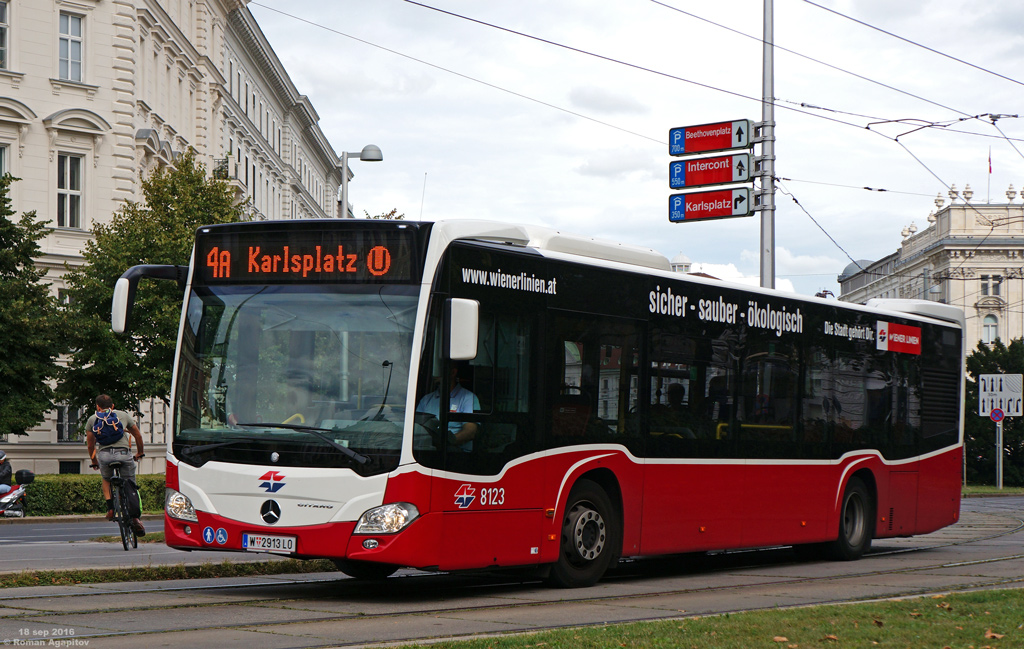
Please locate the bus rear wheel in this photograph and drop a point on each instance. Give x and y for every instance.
(856, 516)
(365, 570)
(590, 535)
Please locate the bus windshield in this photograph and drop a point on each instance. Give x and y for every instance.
(295, 375)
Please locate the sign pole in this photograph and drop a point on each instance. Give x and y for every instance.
(768, 154)
(1007, 392)
(999, 454)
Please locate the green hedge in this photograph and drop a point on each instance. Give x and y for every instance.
(61, 494)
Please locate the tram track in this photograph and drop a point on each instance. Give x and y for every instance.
(1018, 526)
(636, 590)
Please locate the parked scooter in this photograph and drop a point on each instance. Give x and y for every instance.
(12, 503)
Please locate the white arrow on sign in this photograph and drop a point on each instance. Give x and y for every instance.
(1001, 392)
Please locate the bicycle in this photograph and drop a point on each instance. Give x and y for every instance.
(122, 513)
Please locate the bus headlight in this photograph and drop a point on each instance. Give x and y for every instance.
(177, 505)
(386, 519)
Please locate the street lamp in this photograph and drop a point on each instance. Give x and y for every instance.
(370, 153)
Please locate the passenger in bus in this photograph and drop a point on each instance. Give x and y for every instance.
(675, 416)
(676, 397)
(460, 434)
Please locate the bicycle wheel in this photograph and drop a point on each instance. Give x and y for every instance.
(123, 524)
(126, 516)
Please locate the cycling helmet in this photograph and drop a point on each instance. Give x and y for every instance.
(3, 456)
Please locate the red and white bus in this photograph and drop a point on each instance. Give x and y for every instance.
(619, 409)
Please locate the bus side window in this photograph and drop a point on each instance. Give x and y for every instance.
(500, 378)
(595, 383)
(770, 380)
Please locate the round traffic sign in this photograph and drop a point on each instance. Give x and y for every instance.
(996, 415)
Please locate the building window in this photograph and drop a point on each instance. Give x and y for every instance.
(70, 47)
(3, 35)
(69, 191)
(990, 284)
(69, 466)
(67, 424)
(989, 329)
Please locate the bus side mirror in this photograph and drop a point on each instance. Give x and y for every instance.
(464, 319)
(124, 290)
(124, 296)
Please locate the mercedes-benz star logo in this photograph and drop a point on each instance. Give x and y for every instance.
(271, 512)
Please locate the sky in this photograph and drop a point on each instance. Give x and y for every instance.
(477, 122)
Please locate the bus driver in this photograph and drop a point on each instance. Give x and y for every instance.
(461, 434)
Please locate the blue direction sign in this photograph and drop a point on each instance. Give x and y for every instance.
(705, 138)
(700, 172)
(703, 206)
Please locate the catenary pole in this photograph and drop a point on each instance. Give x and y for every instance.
(768, 154)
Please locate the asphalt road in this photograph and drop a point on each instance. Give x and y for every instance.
(64, 544)
(984, 550)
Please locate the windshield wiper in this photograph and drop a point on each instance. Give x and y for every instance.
(192, 450)
(317, 432)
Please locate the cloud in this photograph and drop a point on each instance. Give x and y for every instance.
(730, 273)
(602, 100)
(635, 165)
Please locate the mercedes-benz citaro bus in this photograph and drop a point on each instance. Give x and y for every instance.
(615, 409)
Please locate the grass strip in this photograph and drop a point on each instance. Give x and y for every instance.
(991, 490)
(979, 620)
(163, 573)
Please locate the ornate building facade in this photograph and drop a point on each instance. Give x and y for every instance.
(970, 255)
(96, 93)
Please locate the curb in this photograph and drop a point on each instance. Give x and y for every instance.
(72, 518)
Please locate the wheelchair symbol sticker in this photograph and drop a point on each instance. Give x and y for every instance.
(222, 536)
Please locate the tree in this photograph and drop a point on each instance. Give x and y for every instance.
(392, 215)
(980, 432)
(137, 366)
(28, 321)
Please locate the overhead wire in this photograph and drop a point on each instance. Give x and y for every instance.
(815, 221)
(455, 73)
(670, 76)
(809, 58)
(915, 43)
(616, 61)
(553, 43)
(645, 69)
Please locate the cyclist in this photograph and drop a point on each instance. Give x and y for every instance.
(5, 474)
(119, 450)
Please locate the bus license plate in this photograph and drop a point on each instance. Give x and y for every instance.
(266, 543)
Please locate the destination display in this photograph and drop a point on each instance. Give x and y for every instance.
(305, 256)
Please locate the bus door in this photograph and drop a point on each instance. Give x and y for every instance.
(785, 494)
(691, 468)
(881, 401)
(491, 501)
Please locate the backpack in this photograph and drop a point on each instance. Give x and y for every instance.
(134, 501)
(107, 429)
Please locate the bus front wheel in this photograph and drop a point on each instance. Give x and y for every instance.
(590, 534)
(856, 516)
